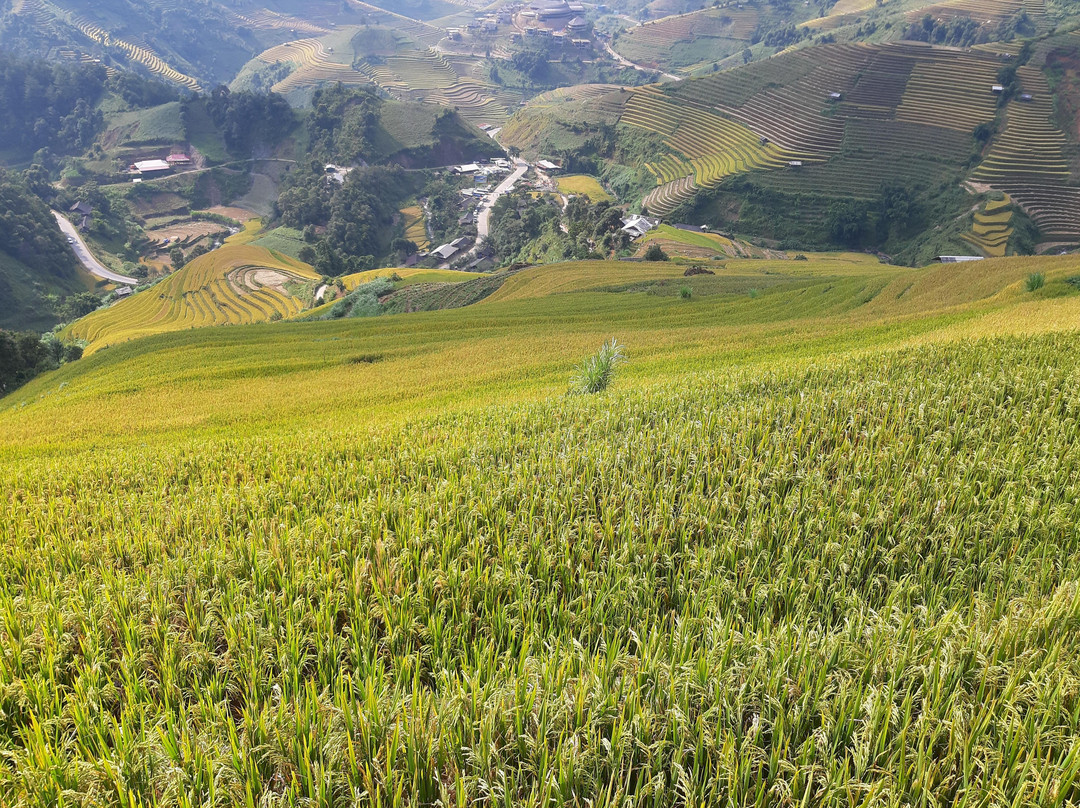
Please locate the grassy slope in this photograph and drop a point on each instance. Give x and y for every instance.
(774, 541)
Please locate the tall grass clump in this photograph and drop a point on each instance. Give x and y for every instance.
(1035, 281)
(594, 375)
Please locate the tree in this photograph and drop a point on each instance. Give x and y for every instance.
(846, 222)
(176, 258)
(747, 56)
(655, 252)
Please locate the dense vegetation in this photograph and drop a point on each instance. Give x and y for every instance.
(48, 105)
(247, 119)
(351, 225)
(24, 354)
(527, 228)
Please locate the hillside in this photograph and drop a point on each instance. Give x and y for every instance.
(776, 149)
(776, 538)
(190, 46)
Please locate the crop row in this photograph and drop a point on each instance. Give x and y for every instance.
(950, 90)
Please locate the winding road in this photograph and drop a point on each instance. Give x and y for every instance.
(93, 266)
(483, 220)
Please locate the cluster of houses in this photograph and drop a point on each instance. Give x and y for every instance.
(480, 171)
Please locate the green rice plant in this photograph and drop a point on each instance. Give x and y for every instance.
(1035, 281)
(594, 375)
(685, 292)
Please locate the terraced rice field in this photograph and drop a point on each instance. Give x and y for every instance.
(712, 147)
(577, 92)
(583, 185)
(651, 43)
(979, 10)
(949, 89)
(991, 230)
(136, 53)
(229, 286)
(905, 113)
(265, 19)
(1028, 161)
(415, 231)
(314, 65)
(430, 77)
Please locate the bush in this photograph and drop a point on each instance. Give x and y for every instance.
(655, 253)
(595, 373)
(685, 292)
(1035, 281)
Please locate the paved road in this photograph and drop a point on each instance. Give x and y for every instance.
(503, 187)
(93, 266)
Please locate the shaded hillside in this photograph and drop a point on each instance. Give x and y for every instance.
(37, 267)
(193, 46)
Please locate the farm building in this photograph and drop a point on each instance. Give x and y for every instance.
(636, 226)
(997, 88)
(178, 159)
(547, 165)
(958, 259)
(123, 291)
(794, 163)
(81, 208)
(1027, 97)
(444, 252)
(151, 167)
(468, 168)
(836, 96)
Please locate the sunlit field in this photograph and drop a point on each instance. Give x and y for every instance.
(816, 545)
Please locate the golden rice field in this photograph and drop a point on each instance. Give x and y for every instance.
(415, 229)
(233, 285)
(388, 561)
(583, 185)
(990, 230)
(313, 65)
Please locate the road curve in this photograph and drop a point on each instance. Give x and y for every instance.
(93, 266)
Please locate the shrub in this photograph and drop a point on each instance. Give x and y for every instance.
(655, 253)
(595, 373)
(685, 292)
(1035, 281)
